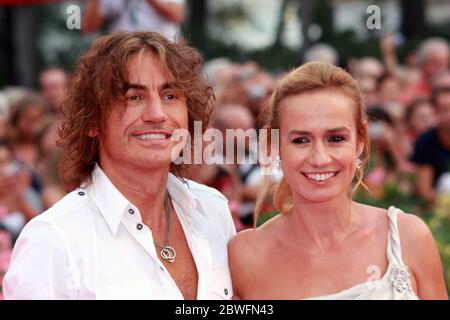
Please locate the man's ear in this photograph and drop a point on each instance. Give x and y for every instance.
(93, 133)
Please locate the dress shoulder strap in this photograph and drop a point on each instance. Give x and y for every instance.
(398, 272)
(394, 249)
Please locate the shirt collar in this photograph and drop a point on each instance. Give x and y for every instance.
(113, 204)
(110, 201)
(180, 192)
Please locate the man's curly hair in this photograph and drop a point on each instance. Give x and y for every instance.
(98, 84)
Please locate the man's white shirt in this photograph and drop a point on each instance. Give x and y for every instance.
(93, 245)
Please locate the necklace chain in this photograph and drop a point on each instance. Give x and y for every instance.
(167, 252)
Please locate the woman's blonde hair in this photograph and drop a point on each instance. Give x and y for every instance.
(312, 77)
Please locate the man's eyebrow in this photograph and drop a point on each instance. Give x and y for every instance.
(127, 86)
(166, 85)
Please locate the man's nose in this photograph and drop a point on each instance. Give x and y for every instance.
(154, 110)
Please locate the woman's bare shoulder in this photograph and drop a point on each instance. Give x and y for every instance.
(420, 253)
(373, 218)
(410, 224)
(251, 245)
(415, 237)
(242, 241)
(249, 253)
(243, 260)
(256, 236)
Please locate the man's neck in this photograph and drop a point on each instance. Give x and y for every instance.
(144, 187)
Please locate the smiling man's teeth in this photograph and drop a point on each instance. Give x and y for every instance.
(149, 136)
(320, 176)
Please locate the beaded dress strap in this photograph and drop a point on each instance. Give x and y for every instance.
(394, 249)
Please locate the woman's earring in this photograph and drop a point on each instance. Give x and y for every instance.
(358, 163)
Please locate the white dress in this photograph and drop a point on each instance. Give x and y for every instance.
(394, 285)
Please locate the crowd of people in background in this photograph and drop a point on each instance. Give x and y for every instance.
(408, 105)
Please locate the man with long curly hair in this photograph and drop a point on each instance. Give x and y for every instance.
(131, 227)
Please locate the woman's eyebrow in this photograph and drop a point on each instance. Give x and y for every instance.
(332, 130)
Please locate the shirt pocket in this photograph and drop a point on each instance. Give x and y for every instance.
(127, 290)
(221, 287)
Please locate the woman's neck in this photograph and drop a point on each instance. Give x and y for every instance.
(323, 224)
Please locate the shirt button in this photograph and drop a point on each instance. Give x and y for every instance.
(131, 211)
(81, 193)
(139, 226)
(162, 269)
(225, 291)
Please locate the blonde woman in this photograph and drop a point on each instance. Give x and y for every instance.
(323, 245)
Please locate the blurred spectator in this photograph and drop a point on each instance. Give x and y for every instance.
(420, 116)
(411, 61)
(387, 153)
(163, 16)
(321, 52)
(219, 70)
(237, 180)
(367, 71)
(388, 44)
(24, 117)
(46, 141)
(245, 84)
(15, 186)
(10, 96)
(47, 164)
(440, 80)
(368, 67)
(5, 252)
(223, 76)
(52, 83)
(230, 179)
(388, 88)
(368, 88)
(432, 149)
(4, 116)
(257, 86)
(4, 129)
(409, 79)
(246, 174)
(433, 57)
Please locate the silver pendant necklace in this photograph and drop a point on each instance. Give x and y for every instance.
(167, 252)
